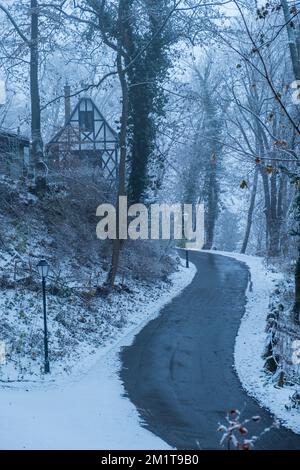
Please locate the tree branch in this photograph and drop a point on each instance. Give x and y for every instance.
(13, 22)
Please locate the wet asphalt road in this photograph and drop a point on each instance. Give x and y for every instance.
(179, 371)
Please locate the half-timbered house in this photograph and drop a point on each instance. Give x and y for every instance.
(85, 139)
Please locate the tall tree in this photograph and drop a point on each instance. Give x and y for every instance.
(32, 43)
(260, 42)
(146, 96)
(205, 160)
(293, 33)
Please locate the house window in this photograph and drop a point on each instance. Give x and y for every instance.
(86, 120)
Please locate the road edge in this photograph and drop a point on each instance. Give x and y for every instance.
(250, 343)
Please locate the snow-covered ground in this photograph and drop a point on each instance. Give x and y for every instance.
(77, 325)
(251, 341)
(87, 410)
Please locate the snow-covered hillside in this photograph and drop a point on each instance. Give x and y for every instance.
(82, 314)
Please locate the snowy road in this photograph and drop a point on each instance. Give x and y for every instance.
(179, 370)
(87, 414)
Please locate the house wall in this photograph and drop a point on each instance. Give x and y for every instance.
(12, 156)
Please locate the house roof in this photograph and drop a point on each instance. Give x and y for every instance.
(7, 134)
(68, 122)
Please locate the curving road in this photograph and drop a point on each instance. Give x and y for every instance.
(179, 372)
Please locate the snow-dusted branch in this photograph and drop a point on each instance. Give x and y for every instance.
(15, 25)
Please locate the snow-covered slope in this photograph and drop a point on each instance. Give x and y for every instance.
(82, 313)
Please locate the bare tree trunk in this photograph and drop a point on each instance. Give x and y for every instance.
(293, 36)
(274, 222)
(36, 136)
(267, 210)
(212, 207)
(294, 45)
(296, 309)
(250, 212)
(33, 45)
(273, 212)
(122, 166)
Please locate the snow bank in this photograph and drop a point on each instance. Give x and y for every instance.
(91, 412)
(251, 340)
